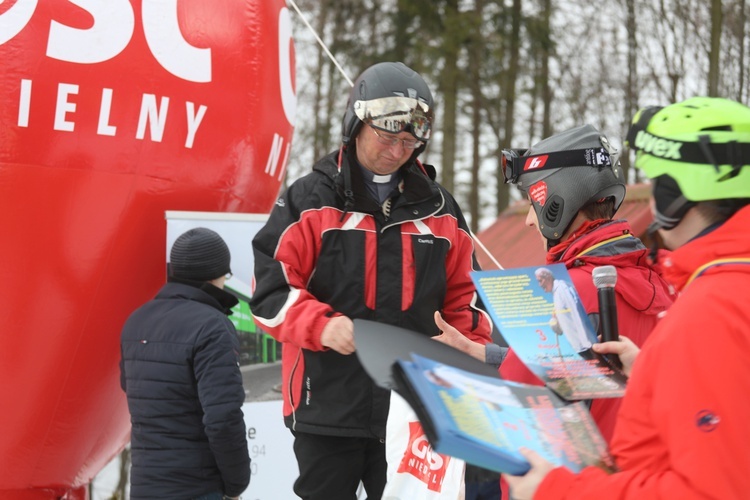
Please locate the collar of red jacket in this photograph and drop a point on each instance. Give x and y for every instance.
(574, 241)
(729, 241)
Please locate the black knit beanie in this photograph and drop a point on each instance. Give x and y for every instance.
(199, 254)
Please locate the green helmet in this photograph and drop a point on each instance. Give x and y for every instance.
(702, 143)
(693, 151)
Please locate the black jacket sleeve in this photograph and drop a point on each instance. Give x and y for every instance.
(221, 394)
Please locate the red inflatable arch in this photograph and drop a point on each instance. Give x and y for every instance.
(111, 113)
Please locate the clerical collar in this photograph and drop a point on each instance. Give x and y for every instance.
(379, 186)
(371, 176)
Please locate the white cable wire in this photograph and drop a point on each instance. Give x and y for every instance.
(320, 42)
(484, 248)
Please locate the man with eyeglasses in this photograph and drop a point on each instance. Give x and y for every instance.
(367, 234)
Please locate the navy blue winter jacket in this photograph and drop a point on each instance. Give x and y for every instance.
(180, 371)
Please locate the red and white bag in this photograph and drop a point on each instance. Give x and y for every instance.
(415, 470)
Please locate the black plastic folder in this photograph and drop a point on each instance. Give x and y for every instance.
(468, 412)
(380, 345)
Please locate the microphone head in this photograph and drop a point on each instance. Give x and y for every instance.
(604, 276)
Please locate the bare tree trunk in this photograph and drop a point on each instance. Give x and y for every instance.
(511, 75)
(544, 75)
(631, 92)
(534, 99)
(714, 56)
(333, 110)
(122, 483)
(321, 126)
(741, 41)
(475, 63)
(449, 86)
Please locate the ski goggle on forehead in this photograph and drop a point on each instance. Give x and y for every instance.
(397, 114)
(514, 163)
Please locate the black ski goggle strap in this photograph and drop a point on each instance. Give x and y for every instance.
(515, 164)
(397, 114)
(732, 153)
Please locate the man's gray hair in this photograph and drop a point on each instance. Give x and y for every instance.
(544, 273)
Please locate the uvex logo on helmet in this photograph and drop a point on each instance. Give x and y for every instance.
(535, 162)
(656, 146)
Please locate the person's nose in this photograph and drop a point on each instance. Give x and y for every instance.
(530, 216)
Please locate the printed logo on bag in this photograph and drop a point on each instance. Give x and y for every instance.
(421, 461)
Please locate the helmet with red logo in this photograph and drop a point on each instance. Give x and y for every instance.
(391, 97)
(564, 173)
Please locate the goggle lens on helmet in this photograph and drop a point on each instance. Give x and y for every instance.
(511, 164)
(397, 114)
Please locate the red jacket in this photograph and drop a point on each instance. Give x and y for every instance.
(684, 428)
(641, 296)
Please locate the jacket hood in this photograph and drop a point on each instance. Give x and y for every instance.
(638, 283)
(727, 242)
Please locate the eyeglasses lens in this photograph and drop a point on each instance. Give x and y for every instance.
(393, 141)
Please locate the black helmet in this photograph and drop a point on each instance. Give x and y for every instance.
(392, 97)
(564, 173)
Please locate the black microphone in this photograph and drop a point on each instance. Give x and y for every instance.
(605, 278)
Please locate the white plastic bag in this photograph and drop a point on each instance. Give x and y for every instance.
(415, 470)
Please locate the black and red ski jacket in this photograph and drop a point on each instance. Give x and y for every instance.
(397, 264)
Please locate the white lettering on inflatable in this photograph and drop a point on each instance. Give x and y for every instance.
(193, 121)
(154, 116)
(150, 114)
(114, 23)
(64, 106)
(288, 97)
(110, 34)
(274, 155)
(164, 38)
(24, 103)
(104, 128)
(16, 18)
